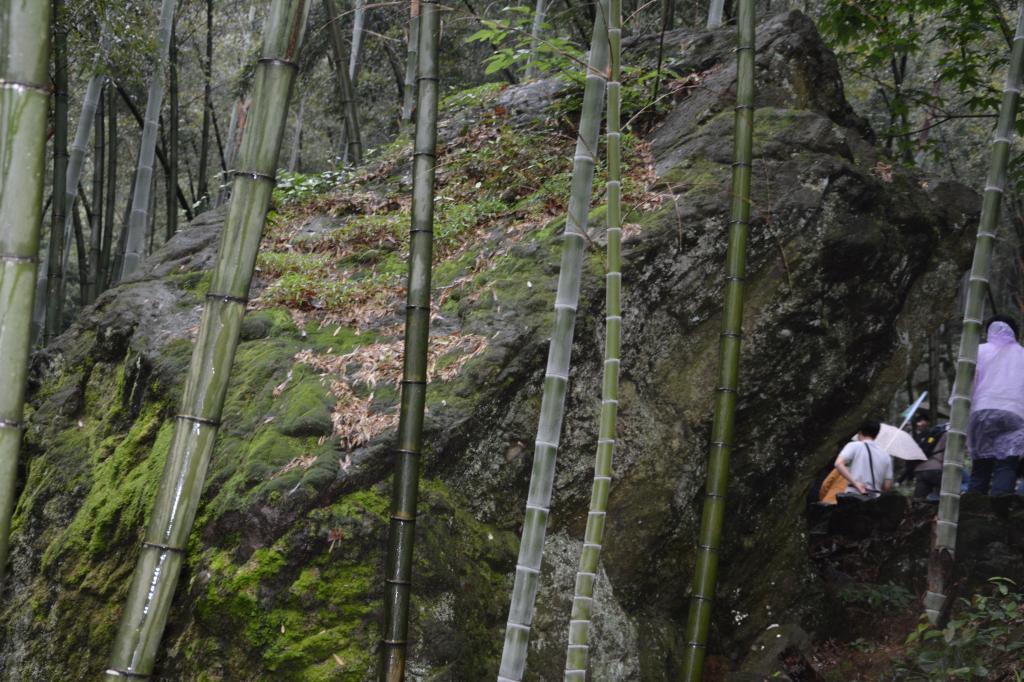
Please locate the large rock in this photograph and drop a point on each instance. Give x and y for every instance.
(849, 260)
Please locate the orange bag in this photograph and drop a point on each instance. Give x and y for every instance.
(833, 484)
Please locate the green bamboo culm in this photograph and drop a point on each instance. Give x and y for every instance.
(722, 431)
(944, 548)
(163, 550)
(138, 219)
(578, 649)
(55, 253)
(405, 489)
(411, 59)
(24, 103)
(556, 379)
(353, 138)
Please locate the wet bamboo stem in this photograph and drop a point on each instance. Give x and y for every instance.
(405, 491)
(138, 220)
(536, 30)
(204, 145)
(24, 104)
(716, 13)
(556, 380)
(944, 550)
(412, 48)
(171, 177)
(163, 550)
(55, 253)
(356, 54)
(578, 649)
(353, 139)
(96, 227)
(109, 213)
(722, 431)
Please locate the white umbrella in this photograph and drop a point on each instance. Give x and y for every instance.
(898, 443)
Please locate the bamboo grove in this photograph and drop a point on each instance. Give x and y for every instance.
(34, 293)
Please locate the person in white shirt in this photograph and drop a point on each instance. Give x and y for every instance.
(865, 465)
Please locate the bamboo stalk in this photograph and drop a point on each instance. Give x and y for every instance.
(111, 208)
(204, 146)
(405, 490)
(353, 138)
(138, 220)
(944, 549)
(716, 13)
(96, 226)
(536, 30)
(24, 103)
(556, 380)
(55, 254)
(356, 53)
(171, 177)
(174, 509)
(578, 649)
(722, 431)
(409, 91)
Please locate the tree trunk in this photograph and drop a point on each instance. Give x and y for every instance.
(139, 218)
(80, 249)
(946, 524)
(353, 140)
(163, 550)
(24, 103)
(405, 490)
(556, 380)
(55, 256)
(577, 651)
(204, 145)
(171, 176)
(722, 427)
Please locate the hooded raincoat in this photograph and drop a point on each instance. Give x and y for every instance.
(997, 407)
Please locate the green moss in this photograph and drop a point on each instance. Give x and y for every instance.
(304, 408)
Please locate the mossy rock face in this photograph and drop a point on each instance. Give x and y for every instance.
(847, 269)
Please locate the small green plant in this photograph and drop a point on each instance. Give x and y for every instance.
(298, 187)
(888, 597)
(985, 639)
(510, 38)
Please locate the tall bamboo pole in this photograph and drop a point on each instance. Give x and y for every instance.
(412, 49)
(96, 227)
(111, 208)
(204, 144)
(722, 431)
(353, 138)
(163, 551)
(578, 649)
(556, 380)
(356, 54)
(296, 156)
(138, 221)
(943, 553)
(536, 30)
(405, 490)
(55, 254)
(24, 102)
(716, 13)
(171, 177)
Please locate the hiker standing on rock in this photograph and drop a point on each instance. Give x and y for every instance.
(995, 434)
(866, 466)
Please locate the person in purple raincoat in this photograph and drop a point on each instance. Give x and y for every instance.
(995, 435)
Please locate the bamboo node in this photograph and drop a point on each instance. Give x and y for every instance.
(993, 188)
(741, 164)
(735, 278)
(726, 389)
(998, 138)
(394, 642)
(709, 548)
(400, 516)
(596, 513)
(414, 382)
(603, 478)
(273, 61)
(715, 496)
(518, 626)
(591, 545)
(544, 443)
(199, 420)
(227, 298)
(6, 84)
(7, 424)
(585, 573)
(696, 645)
(617, 318)
(255, 175)
(396, 581)
(126, 673)
(740, 48)
(614, 273)
(565, 306)
(166, 548)
(538, 508)
(990, 235)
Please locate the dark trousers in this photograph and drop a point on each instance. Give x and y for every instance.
(926, 483)
(1001, 474)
